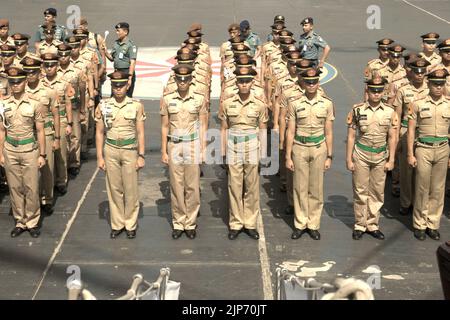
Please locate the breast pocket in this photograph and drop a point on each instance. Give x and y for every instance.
(321, 115)
(363, 125)
(253, 115)
(425, 117)
(173, 111)
(384, 124)
(302, 115)
(130, 115)
(193, 113)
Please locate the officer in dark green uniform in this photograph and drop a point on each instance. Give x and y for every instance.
(124, 55)
(310, 42)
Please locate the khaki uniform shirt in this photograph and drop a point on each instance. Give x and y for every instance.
(310, 116)
(432, 117)
(373, 65)
(44, 47)
(405, 96)
(120, 119)
(243, 119)
(392, 75)
(47, 98)
(372, 129)
(184, 112)
(434, 59)
(20, 117)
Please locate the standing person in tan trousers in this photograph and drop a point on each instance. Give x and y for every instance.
(58, 76)
(39, 90)
(416, 89)
(309, 152)
(21, 155)
(371, 125)
(429, 119)
(244, 119)
(183, 123)
(123, 120)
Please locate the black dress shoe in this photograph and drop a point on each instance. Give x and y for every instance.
(297, 233)
(252, 233)
(377, 234)
(177, 233)
(233, 234)
(433, 234)
(190, 233)
(405, 211)
(62, 190)
(289, 210)
(357, 234)
(74, 171)
(131, 234)
(47, 209)
(419, 234)
(314, 234)
(115, 233)
(17, 231)
(34, 232)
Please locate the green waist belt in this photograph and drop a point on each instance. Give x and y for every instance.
(75, 100)
(239, 139)
(370, 149)
(304, 139)
(62, 113)
(189, 137)
(121, 143)
(48, 124)
(16, 143)
(405, 123)
(432, 139)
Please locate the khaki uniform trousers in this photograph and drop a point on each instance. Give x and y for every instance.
(85, 127)
(286, 178)
(47, 172)
(243, 189)
(184, 174)
(308, 184)
(406, 172)
(122, 187)
(22, 172)
(75, 140)
(61, 156)
(431, 170)
(368, 193)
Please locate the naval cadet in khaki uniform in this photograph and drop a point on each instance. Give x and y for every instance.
(40, 91)
(8, 54)
(416, 89)
(124, 153)
(5, 38)
(65, 78)
(183, 122)
(21, 44)
(429, 124)
(444, 51)
(381, 61)
(429, 42)
(21, 120)
(244, 119)
(371, 142)
(79, 106)
(309, 152)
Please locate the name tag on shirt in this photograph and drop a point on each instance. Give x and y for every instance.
(121, 55)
